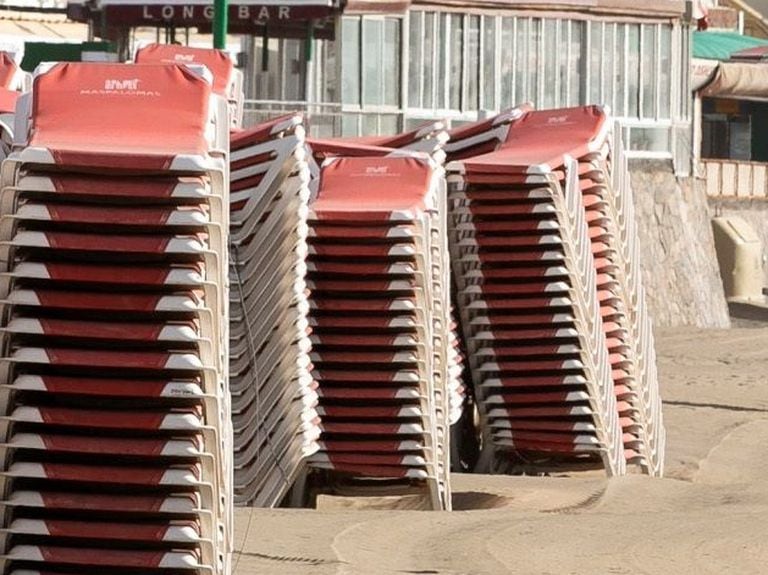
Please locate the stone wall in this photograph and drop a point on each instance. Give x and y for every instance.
(754, 212)
(679, 265)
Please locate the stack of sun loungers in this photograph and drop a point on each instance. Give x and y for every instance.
(227, 80)
(12, 77)
(381, 330)
(553, 312)
(645, 435)
(116, 428)
(429, 138)
(273, 392)
(13, 81)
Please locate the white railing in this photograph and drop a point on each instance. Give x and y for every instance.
(736, 179)
(326, 120)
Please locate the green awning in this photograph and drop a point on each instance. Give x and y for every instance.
(720, 45)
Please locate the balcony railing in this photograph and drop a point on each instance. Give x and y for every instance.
(736, 179)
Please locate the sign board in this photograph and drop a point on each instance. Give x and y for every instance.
(194, 13)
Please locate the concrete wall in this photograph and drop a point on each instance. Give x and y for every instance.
(754, 212)
(680, 270)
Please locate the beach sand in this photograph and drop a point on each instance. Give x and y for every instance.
(708, 515)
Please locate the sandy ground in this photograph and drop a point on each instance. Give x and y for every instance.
(709, 515)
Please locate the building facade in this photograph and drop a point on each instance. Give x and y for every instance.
(384, 72)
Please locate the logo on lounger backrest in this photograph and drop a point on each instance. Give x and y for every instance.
(122, 87)
(377, 170)
(557, 120)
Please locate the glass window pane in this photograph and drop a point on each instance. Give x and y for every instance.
(533, 60)
(389, 124)
(569, 62)
(349, 125)
(521, 40)
(550, 56)
(489, 63)
(564, 63)
(684, 105)
(416, 71)
(350, 60)
(575, 64)
(596, 62)
(650, 139)
(633, 71)
(329, 70)
(441, 75)
(293, 76)
(648, 77)
(430, 66)
(456, 62)
(391, 61)
(609, 53)
(620, 73)
(473, 64)
(373, 40)
(665, 84)
(267, 79)
(370, 124)
(508, 52)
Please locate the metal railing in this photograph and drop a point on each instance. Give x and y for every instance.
(326, 120)
(736, 179)
(331, 120)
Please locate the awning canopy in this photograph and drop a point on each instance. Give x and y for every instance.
(742, 81)
(755, 54)
(722, 45)
(702, 72)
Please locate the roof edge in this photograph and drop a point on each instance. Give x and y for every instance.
(648, 9)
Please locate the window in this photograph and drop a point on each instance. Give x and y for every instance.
(373, 71)
(596, 63)
(649, 139)
(550, 81)
(665, 70)
(391, 62)
(460, 63)
(371, 61)
(455, 77)
(609, 66)
(572, 70)
(619, 92)
(421, 59)
(441, 62)
(522, 60)
(648, 77)
(327, 81)
(278, 69)
(534, 89)
(685, 100)
(472, 62)
(510, 88)
(417, 72)
(634, 80)
(350, 61)
(430, 64)
(488, 83)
